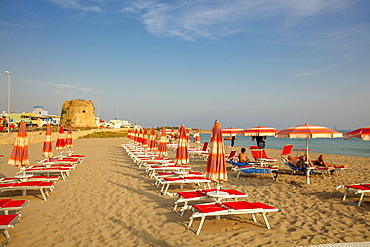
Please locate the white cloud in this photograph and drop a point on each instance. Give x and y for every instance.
(82, 5)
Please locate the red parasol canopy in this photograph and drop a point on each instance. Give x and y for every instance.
(162, 146)
(19, 155)
(61, 144)
(47, 150)
(260, 131)
(197, 137)
(216, 163)
(362, 133)
(145, 138)
(69, 144)
(182, 156)
(152, 140)
(232, 131)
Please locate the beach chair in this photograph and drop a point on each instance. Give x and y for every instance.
(166, 182)
(6, 222)
(287, 149)
(229, 208)
(260, 156)
(201, 153)
(186, 197)
(7, 205)
(357, 189)
(231, 156)
(43, 187)
(33, 178)
(164, 168)
(64, 172)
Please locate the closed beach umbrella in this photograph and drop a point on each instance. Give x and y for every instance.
(162, 146)
(61, 143)
(69, 144)
(197, 137)
(152, 140)
(232, 131)
(182, 156)
(145, 139)
(362, 133)
(216, 163)
(19, 155)
(47, 150)
(140, 137)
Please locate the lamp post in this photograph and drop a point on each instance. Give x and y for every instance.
(8, 72)
(117, 112)
(99, 113)
(58, 112)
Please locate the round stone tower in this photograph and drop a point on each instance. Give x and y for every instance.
(78, 113)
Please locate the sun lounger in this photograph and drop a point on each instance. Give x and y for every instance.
(186, 197)
(273, 172)
(163, 168)
(229, 208)
(1, 157)
(6, 222)
(166, 182)
(357, 189)
(29, 185)
(62, 171)
(260, 156)
(7, 205)
(33, 178)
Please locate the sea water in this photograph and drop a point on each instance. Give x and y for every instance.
(353, 147)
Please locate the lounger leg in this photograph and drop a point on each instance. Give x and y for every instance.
(361, 197)
(200, 224)
(266, 222)
(345, 194)
(24, 192)
(43, 195)
(6, 234)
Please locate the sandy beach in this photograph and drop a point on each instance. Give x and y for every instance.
(109, 201)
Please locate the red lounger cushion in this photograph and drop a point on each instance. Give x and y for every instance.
(7, 219)
(208, 208)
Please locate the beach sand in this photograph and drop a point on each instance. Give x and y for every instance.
(109, 201)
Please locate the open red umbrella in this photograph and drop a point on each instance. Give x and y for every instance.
(232, 131)
(19, 155)
(308, 131)
(182, 156)
(162, 146)
(260, 131)
(47, 150)
(216, 163)
(61, 143)
(362, 133)
(152, 140)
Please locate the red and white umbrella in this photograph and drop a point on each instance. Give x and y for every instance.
(162, 146)
(61, 143)
(260, 131)
(140, 137)
(197, 137)
(232, 131)
(152, 140)
(47, 150)
(216, 163)
(69, 144)
(182, 156)
(362, 133)
(145, 142)
(19, 156)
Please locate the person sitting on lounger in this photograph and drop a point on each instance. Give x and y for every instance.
(243, 157)
(321, 163)
(301, 162)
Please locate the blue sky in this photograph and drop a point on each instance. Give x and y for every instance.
(245, 63)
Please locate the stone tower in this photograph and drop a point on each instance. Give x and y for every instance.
(78, 113)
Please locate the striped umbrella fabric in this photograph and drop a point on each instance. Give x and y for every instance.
(140, 137)
(182, 156)
(47, 150)
(232, 131)
(61, 143)
(362, 133)
(197, 136)
(260, 131)
(308, 131)
(69, 144)
(145, 139)
(152, 140)
(19, 156)
(162, 146)
(216, 163)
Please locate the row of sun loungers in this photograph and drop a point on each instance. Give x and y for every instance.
(42, 177)
(166, 174)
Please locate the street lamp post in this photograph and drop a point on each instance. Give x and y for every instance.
(8, 72)
(117, 112)
(99, 113)
(58, 112)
